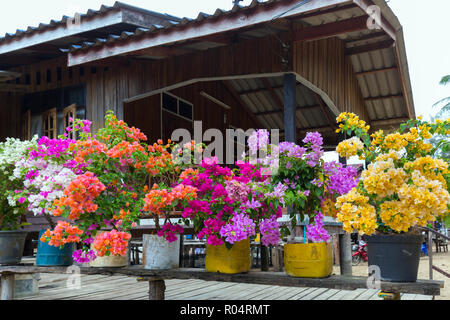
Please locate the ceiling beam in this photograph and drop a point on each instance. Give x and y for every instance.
(384, 97)
(364, 73)
(269, 112)
(370, 47)
(369, 36)
(241, 103)
(330, 29)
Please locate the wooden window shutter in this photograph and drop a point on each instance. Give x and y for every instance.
(68, 113)
(49, 127)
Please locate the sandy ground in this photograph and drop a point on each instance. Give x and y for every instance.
(441, 260)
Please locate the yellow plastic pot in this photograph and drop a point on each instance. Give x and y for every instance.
(308, 260)
(230, 261)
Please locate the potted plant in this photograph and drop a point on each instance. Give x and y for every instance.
(105, 199)
(46, 171)
(229, 209)
(308, 185)
(404, 187)
(166, 162)
(12, 207)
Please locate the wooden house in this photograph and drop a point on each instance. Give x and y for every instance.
(275, 64)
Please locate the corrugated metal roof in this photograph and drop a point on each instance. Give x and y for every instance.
(90, 13)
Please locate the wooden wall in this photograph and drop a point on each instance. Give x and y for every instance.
(145, 113)
(324, 64)
(9, 116)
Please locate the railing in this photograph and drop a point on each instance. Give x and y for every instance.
(429, 232)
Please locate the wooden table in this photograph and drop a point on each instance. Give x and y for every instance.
(156, 279)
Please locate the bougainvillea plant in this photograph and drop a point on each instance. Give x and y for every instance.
(404, 186)
(12, 206)
(107, 191)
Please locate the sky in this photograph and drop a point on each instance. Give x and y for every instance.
(425, 24)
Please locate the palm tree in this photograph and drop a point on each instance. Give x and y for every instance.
(444, 104)
(444, 113)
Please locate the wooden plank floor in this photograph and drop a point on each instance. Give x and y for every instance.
(101, 287)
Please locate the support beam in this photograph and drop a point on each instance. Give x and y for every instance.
(370, 47)
(331, 29)
(272, 92)
(384, 97)
(368, 36)
(264, 113)
(364, 73)
(324, 111)
(290, 83)
(242, 104)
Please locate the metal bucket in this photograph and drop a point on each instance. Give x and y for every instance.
(308, 260)
(48, 255)
(11, 246)
(158, 253)
(396, 255)
(229, 261)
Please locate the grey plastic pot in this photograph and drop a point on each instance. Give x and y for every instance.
(11, 246)
(397, 255)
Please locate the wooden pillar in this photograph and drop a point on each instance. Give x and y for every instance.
(264, 258)
(157, 289)
(7, 287)
(290, 84)
(345, 254)
(430, 254)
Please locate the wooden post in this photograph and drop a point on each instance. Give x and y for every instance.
(345, 254)
(157, 289)
(7, 287)
(264, 258)
(290, 83)
(430, 254)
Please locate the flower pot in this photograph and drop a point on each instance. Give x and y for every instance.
(230, 261)
(308, 260)
(48, 255)
(397, 255)
(11, 246)
(108, 261)
(158, 253)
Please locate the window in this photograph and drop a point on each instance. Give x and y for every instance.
(49, 128)
(177, 106)
(69, 113)
(26, 126)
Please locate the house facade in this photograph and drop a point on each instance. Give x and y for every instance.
(276, 64)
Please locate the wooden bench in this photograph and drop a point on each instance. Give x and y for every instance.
(156, 279)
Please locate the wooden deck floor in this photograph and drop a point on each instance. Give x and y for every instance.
(101, 287)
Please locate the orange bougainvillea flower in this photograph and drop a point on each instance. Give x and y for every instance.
(115, 242)
(63, 233)
(159, 200)
(79, 196)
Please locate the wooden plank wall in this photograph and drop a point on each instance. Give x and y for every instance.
(111, 87)
(9, 116)
(324, 64)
